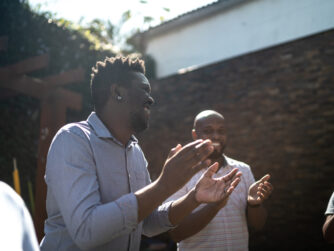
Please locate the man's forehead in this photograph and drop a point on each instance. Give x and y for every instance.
(207, 119)
(138, 79)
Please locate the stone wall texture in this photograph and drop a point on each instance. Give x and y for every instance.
(279, 107)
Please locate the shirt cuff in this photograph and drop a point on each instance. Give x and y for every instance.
(129, 207)
(164, 211)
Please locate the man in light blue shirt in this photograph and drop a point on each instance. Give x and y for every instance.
(99, 195)
(16, 228)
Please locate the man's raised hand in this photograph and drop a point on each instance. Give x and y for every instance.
(209, 189)
(259, 191)
(183, 162)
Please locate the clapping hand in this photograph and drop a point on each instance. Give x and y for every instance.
(209, 189)
(183, 162)
(259, 191)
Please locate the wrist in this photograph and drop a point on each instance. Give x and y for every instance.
(254, 205)
(193, 197)
(219, 204)
(163, 187)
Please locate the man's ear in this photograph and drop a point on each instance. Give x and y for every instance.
(117, 92)
(194, 134)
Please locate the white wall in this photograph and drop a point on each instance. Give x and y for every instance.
(244, 28)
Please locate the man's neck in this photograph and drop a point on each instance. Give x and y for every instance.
(116, 126)
(221, 161)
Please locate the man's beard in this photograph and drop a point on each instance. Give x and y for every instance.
(215, 155)
(138, 122)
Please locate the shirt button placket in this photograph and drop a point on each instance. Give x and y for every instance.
(129, 170)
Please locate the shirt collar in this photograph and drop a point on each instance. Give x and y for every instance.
(226, 161)
(102, 131)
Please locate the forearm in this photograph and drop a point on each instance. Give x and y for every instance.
(195, 222)
(178, 169)
(150, 197)
(256, 217)
(182, 207)
(328, 229)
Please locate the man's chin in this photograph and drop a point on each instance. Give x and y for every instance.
(215, 155)
(140, 127)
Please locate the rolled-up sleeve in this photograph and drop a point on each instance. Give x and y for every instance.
(158, 221)
(72, 180)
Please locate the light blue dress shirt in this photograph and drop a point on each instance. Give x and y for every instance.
(16, 228)
(330, 206)
(91, 179)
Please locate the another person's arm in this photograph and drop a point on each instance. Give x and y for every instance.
(257, 194)
(196, 221)
(178, 169)
(328, 227)
(193, 222)
(207, 190)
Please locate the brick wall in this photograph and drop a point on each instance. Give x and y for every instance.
(279, 106)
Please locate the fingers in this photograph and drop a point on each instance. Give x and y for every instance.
(231, 176)
(264, 190)
(268, 186)
(202, 150)
(235, 181)
(195, 151)
(233, 186)
(199, 151)
(229, 182)
(228, 177)
(211, 170)
(201, 165)
(265, 178)
(188, 147)
(174, 150)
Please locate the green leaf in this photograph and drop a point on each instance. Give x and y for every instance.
(148, 19)
(126, 16)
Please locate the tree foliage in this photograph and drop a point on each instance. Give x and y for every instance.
(31, 34)
(69, 46)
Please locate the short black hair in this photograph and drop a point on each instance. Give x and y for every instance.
(114, 70)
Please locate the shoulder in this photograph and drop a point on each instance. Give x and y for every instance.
(242, 166)
(73, 131)
(77, 128)
(70, 139)
(9, 195)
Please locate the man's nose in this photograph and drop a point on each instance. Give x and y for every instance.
(215, 135)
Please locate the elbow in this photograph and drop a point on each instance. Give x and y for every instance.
(174, 237)
(84, 239)
(328, 229)
(84, 244)
(149, 234)
(327, 235)
(329, 239)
